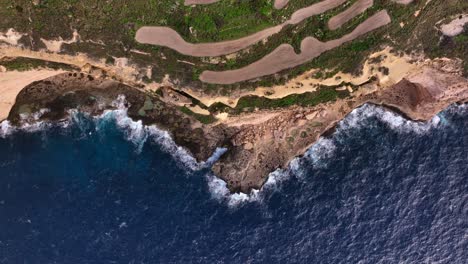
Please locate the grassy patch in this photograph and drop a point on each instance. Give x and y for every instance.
(205, 119)
(26, 64)
(323, 95)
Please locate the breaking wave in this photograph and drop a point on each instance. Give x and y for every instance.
(318, 155)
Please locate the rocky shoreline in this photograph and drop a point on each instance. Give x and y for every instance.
(258, 143)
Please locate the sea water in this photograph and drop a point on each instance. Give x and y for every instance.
(106, 189)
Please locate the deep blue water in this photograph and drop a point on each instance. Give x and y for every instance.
(380, 190)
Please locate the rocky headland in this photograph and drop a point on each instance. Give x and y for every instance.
(257, 143)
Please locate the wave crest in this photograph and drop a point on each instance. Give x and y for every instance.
(358, 117)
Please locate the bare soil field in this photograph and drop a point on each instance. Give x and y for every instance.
(167, 37)
(164, 36)
(278, 3)
(284, 56)
(357, 8)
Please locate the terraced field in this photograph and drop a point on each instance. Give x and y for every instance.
(167, 37)
(284, 57)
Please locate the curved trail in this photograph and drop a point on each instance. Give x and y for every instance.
(167, 37)
(278, 3)
(284, 56)
(357, 8)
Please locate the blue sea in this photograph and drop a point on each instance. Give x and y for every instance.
(105, 189)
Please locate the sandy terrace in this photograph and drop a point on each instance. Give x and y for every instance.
(398, 66)
(124, 73)
(11, 84)
(167, 37)
(284, 56)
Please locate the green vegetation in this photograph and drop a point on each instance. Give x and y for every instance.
(323, 95)
(205, 119)
(148, 105)
(114, 23)
(26, 64)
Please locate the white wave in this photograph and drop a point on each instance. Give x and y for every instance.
(219, 191)
(167, 144)
(6, 129)
(320, 153)
(358, 117)
(215, 157)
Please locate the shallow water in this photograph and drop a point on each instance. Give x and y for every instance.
(108, 190)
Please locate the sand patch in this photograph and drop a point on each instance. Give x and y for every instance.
(284, 57)
(455, 27)
(56, 45)
(11, 37)
(11, 84)
(198, 110)
(403, 2)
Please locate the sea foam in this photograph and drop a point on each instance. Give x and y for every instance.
(317, 154)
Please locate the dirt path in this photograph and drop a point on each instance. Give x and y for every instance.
(278, 3)
(167, 37)
(284, 56)
(357, 8)
(11, 84)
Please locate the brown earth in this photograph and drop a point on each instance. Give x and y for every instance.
(278, 3)
(258, 143)
(357, 8)
(261, 148)
(284, 56)
(167, 37)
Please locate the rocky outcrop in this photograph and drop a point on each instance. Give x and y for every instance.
(261, 148)
(255, 149)
(84, 92)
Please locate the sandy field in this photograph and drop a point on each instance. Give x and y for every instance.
(284, 56)
(11, 84)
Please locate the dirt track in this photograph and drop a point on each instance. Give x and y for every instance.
(278, 3)
(164, 36)
(284, 56)
(167, 37)
(357, 8)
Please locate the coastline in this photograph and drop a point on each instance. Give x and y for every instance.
(254, 149)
